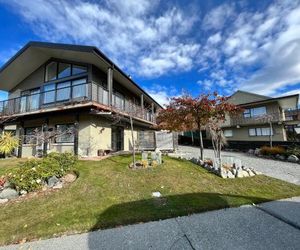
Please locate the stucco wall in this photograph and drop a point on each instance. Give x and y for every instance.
(242, 134)
(34, 80)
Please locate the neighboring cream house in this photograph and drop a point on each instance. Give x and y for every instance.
(253, 124)
(59, 87)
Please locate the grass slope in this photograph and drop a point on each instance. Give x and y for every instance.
(108, 194)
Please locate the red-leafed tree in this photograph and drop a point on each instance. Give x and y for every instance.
(187, 113)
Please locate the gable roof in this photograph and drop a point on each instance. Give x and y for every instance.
(242, 97)
(34, 54)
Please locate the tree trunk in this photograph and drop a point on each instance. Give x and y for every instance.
(201, 144)
(271, 135)
(132, 138)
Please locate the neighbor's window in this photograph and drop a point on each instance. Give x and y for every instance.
(255, 112)
(260, 132)
(51, 71)
(65, 133)
(228, 133)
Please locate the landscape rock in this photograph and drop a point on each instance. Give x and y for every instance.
(23, 192)
(245, 173)
(250, 173)
(240, 173)
(2, 201)
(257, 151)
(234, 171)
(8, 193)
(256, 172)
(52, 181)
(6, 184)
(280, 157)
(58, 185)
(293, 158)
(251, 151)
(69, 178)
(230, 175)
(223, 174)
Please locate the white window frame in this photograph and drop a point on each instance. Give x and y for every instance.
(226, 131)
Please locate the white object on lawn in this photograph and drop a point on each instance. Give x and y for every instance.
(156, 194)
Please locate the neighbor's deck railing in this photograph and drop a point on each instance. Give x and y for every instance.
(256, 120)
(70, 95)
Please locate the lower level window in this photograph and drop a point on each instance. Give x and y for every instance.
(260, 132)
(228, 133)
(32, 135)
(65, 133)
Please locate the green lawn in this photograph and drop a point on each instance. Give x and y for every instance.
(108, 194)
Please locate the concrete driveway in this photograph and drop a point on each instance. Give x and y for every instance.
(286, 171)
(272, 225)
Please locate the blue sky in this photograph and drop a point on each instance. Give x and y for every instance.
(172, 46)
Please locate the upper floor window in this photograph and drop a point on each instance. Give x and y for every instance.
(58, 70)
(254, 112)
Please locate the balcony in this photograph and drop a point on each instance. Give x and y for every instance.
(79, 95)
(241, 120)
(292, 115)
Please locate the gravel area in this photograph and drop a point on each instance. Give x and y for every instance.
(286, 171)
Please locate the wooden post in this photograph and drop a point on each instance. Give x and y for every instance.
(21, 134)
(110, 85)
(45, 130)
(76, 134)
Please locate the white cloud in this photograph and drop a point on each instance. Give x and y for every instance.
(134, 33)
(260, 50)
(216, 18)
(162, 94)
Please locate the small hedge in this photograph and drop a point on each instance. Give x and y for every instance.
(32, 174)
(277, 150)
(295, 150)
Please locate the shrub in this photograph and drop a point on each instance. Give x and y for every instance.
(32, 174)
(65, 161)
(8, 143)
(265, 150)
(293, 150)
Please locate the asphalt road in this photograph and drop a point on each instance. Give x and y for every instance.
(272, 225)
(286, 171)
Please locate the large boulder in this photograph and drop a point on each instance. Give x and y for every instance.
(8, 193)
(293, 158)
(52, 181)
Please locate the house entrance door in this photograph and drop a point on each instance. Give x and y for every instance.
(117, 138)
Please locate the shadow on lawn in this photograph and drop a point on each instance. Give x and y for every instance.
(163, 208)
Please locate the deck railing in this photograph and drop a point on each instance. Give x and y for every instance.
(241, 120)
(71, 95)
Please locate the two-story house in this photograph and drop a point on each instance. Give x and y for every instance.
(260, 114)
(63, 88)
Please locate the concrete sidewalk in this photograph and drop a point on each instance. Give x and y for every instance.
(272, 225)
